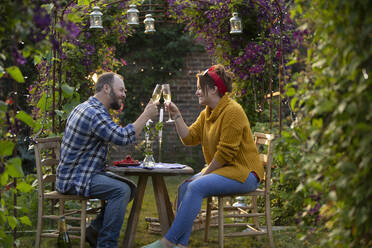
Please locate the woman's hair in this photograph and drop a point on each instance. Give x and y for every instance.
(106, 78)
(206, 80)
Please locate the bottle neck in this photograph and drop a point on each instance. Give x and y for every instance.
(62, 226)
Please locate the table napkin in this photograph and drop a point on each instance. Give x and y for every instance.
(161, 166)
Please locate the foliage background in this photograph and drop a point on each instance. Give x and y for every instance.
(333, 132)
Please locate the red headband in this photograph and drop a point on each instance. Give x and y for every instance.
(217, 80)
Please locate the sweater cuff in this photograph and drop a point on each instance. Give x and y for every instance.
(187, 140)
(219, 158)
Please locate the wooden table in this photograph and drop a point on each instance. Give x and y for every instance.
(163, 203)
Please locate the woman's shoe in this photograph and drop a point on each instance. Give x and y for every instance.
(156, 244)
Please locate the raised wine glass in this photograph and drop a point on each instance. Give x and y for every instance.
(156, 94)
(167, 98)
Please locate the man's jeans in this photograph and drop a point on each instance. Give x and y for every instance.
(108, 223)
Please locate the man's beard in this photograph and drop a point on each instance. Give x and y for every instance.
(115, 104)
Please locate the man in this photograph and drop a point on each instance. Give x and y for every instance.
(84, 147)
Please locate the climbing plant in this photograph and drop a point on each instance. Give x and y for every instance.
(333, 131)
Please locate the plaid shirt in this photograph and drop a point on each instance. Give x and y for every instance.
(84, 147)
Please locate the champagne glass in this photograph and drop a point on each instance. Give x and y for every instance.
(156, 94)
(167, 98)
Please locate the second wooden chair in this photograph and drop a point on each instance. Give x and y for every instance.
(261, 139)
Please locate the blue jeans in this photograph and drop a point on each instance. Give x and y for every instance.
(109, 221)
(190, 197)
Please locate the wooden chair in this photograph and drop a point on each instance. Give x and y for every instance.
(47, 152)
(261, 139)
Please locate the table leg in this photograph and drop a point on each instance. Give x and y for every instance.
(166, 215)
(130, 231)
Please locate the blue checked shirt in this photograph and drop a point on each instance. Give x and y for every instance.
(84, 147)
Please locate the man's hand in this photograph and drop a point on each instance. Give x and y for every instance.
(151, 110)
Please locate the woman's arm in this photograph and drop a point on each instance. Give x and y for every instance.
(182, 128)
(214, 165)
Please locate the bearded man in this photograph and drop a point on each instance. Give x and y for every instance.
(89, 129)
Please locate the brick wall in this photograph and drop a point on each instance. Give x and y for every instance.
(183, 90)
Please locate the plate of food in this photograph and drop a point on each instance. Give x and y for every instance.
(128, 161)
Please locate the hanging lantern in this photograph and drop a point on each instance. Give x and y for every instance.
(235, 24)
(149, 24)
(96, 18)
(132, 15)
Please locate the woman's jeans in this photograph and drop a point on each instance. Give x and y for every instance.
(190, 197)
(108, 222)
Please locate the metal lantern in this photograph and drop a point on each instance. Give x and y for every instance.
(149, 24)
(96, 18)
(132, 15)
(235, 24)
(239, 202)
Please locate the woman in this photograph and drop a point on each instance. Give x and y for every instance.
(233, 163)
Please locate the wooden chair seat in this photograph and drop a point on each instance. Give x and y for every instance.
(57, 195)
(254, 229)
(257, 192)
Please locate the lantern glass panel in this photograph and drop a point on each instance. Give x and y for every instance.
(149, 24)
(133, 15)
(235, 24)
(96, 18)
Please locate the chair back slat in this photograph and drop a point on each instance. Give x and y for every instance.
(263, 140)
(49, 162)
(49, 178)
(47, 152)
(263, 158)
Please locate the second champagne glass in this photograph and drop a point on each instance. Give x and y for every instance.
(167, 98)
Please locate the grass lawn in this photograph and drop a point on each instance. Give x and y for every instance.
(282, 238)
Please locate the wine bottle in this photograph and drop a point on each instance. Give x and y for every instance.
(63, 238)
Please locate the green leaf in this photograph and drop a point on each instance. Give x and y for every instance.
(60, 113)
(37, 59)
(293, 61)
(6, 148)
(1, 71)
(317, 123)
(3, 106)
(4, 178)
(16, 74)
(24, 187)
(290, 91)
(14, 167)
(41, 103)
(67, 90)
(25, 220)
(23, 116)
(293, 102)
(83, 2)
(12, 222)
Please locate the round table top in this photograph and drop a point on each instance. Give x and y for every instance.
(138, 171)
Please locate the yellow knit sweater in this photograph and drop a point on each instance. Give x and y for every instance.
(225, 135)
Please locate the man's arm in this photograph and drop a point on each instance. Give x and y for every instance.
(150, 111)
